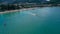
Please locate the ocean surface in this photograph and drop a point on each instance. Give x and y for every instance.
(44, 20)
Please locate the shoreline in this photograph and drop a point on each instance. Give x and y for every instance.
(18, 10)
(8, 11)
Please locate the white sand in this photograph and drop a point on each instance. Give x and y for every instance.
(17, 10)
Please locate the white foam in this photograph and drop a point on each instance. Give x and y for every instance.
(33, 14)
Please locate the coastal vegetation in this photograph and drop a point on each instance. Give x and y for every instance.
(18, 5)
(8, 7)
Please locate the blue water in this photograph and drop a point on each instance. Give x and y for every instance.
(37, 21)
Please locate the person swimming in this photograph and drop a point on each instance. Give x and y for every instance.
(4, 24)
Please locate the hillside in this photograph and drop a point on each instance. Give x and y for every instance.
(24, 1)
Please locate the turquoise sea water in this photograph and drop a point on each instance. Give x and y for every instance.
(37, 21)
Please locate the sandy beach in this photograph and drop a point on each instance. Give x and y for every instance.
(17, 10)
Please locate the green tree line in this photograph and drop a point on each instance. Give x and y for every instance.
(8, 7)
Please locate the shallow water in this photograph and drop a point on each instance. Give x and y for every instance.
(38, 21)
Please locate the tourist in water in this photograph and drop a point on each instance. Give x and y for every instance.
(4, 24)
